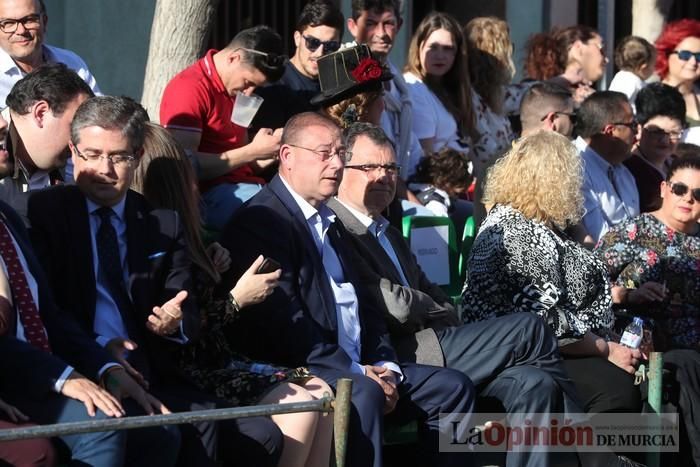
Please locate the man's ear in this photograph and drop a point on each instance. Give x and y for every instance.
(285, 156)
(550, 121)
(297, 39)
(352, 27)
(39, 111)
(608, 130)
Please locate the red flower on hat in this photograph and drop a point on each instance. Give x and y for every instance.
(366, 70)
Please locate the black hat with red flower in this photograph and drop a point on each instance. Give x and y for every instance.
(348, 72)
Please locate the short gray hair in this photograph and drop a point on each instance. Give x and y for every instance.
(112, 113)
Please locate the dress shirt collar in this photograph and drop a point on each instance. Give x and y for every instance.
(118, 208)
(326, 215)
(592, 157)
(377, 226)
(10, 67)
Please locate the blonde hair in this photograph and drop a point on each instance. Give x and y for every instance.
(541, 176)
(166, 179)
(491, 64)
(454, 88)
(340, 113)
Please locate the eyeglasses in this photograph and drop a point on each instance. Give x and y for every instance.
(271, 59)
(325, 154)
(389, 169)
(661, 133)
(631, 125)
(686, 54)
(117, 160)
(680, 189)
(9, 26)
(572, 116)
(312, 43)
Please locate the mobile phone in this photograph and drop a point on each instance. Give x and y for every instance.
(268, 265)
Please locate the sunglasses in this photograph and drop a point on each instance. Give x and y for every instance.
(686, 54)
(313, 43)
(631, 125)
(271, 59)
(572, 116)
(680, 189)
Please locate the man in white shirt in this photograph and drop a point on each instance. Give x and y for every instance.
(317, 317)
(607, 131)
(22, 30)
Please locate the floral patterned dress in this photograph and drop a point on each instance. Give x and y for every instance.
(214, 367)
(517, 264)
(645, 249)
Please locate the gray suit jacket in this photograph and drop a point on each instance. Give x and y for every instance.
(412, 313)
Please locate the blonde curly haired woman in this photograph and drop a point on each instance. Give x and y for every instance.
(522, 260)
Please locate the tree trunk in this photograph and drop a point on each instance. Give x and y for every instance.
(178, 36)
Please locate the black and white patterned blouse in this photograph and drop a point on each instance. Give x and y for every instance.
(517, 264)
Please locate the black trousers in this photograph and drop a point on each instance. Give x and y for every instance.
(515, 359)
(685, 368)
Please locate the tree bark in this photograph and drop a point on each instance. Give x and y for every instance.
(179, 34)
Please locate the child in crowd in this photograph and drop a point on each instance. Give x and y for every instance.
(440, 178)
(635, 57)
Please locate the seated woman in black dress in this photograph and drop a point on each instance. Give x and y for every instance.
(166, 178)
(522, 261)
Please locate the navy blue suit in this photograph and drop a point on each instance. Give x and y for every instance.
(29, 375)
(297, 325)
(159, 267)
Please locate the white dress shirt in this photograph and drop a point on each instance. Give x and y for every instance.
(346, 304)
(609, 191)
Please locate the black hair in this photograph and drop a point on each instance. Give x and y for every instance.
(679, 163)
(659, 99)
(262, 39)
(358, 6)
(598, 110)
(321, 13)
(373, 132)
(541, 98)
(54, 83)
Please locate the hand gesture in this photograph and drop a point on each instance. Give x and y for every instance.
(80, 388)
(121, 385)
(266, 143)
(647, 292)
(253, 288)
(220, 256)
(165, 320)
(12, 412)
(385, 378)
(118, 347)
(624, 357)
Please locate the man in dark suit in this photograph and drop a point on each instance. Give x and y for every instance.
(314, 317)
(514, 358)
(125, 269)
(44, 355)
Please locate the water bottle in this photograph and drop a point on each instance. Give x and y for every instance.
(632, 337)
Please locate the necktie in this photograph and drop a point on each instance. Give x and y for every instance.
(110, 272)
(34, 330)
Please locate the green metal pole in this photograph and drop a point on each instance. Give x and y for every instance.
(654, 396)
(341, 419)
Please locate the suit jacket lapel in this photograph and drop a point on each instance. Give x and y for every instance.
(80, 241)
(368, 240)
(137, 254)
(320, 279)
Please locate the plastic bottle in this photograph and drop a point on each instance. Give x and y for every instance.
(632, 337)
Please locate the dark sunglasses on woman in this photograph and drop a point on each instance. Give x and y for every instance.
(686, 54)
(680, 189)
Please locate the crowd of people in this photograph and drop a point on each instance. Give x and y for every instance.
(204, 263)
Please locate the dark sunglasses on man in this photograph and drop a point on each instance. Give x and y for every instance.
(313, 43)
(271, 59)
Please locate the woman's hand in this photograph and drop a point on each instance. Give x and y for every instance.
(624, 357)
(253, 288)
(646, 293)
(220, 256)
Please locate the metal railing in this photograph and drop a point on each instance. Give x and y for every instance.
(340, 406)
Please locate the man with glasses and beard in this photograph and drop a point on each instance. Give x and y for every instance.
(197, 108)
(318, 32)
